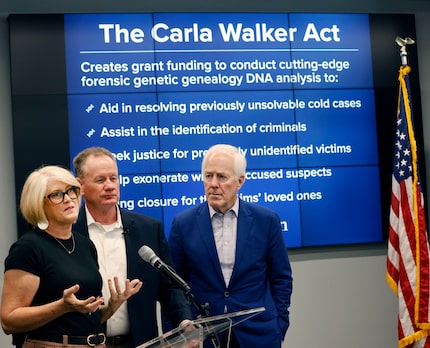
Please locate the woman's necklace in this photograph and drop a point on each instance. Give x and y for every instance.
(64, 247)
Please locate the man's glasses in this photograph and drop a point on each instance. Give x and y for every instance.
(57, 197)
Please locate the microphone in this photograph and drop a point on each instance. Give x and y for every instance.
(148, 255)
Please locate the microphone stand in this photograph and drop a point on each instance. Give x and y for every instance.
(204, 313)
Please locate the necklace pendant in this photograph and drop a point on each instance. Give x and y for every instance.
(64, 247)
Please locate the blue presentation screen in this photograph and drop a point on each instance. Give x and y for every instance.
(293, 91)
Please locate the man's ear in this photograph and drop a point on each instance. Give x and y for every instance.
(82, 188)
(240, 181)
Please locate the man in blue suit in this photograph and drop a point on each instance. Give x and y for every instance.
(232, 253)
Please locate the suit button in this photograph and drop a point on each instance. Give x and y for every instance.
(226, 294)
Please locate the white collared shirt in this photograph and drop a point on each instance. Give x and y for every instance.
(112, 258)
(225, 232)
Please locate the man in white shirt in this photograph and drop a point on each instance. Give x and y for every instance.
(118, 234)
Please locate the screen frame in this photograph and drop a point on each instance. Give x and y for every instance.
(40, 120)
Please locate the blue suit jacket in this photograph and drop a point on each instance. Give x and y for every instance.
(261, 276)
(143, 230)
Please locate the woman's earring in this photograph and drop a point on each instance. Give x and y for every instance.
(42, 225)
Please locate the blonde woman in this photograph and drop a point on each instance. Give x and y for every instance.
(52, 286)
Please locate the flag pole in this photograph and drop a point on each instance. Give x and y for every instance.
(403, 43)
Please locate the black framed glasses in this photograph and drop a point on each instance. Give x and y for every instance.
(57, 197)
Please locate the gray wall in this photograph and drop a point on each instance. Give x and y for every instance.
(340, 296)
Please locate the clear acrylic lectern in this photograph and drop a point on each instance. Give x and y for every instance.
(195, 333)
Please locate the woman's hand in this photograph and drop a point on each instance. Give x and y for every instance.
(118, 296)
(89, 305)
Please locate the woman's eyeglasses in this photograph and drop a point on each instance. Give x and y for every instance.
(57, 197)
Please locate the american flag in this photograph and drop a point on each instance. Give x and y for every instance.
(408, 271)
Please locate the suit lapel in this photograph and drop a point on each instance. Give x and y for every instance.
(244, 234)
(204, 226)
(80, 225)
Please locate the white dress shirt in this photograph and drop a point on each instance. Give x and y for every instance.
(112, 258)
(225, 232)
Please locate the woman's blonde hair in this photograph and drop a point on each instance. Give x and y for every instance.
(34, 191)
